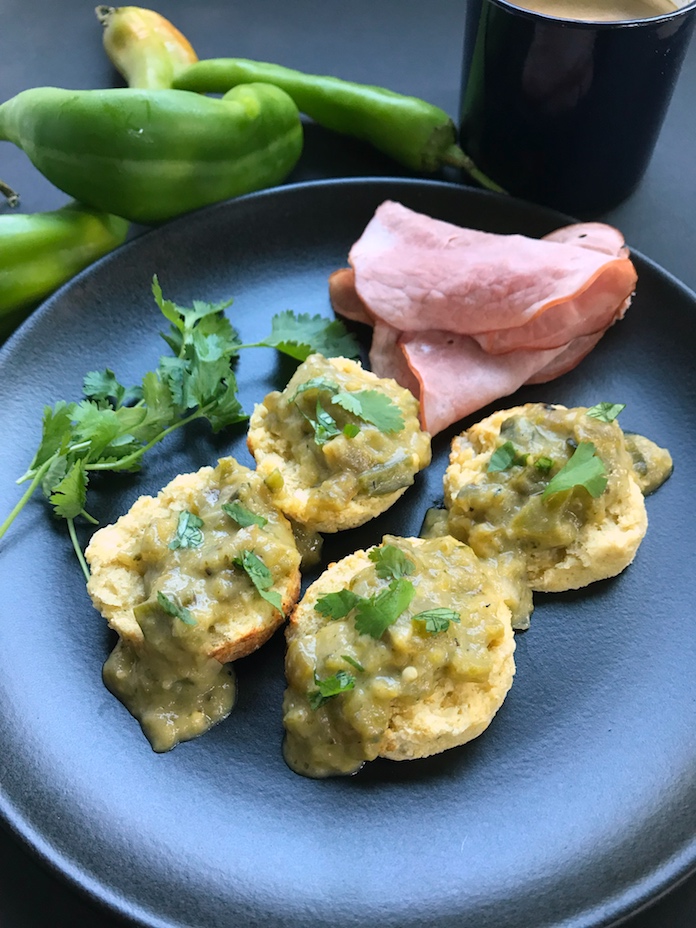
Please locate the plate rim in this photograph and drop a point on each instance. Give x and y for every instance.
(661, 882)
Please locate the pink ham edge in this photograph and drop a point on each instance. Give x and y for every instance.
(453, 376)
(452, 373)
(463, 377)
(499, 288)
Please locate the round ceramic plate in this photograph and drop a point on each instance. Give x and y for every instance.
(575, 807)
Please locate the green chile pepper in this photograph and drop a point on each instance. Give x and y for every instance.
(415, 133)
(150, 155)
(40, 252)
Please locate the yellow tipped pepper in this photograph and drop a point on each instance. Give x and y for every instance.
(144, 47)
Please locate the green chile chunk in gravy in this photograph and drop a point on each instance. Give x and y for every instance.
(169, 681)
(391, 673)
(507, 511)
(652, 465)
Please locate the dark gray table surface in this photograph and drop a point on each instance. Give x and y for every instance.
(407, 45)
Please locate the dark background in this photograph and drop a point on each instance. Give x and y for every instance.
(408, 46)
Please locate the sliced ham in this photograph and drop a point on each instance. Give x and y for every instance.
(463, 317)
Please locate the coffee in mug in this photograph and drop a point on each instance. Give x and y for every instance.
(596, 11)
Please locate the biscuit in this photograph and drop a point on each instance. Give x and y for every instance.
(570, 540)
(336, 483)
(415, 693)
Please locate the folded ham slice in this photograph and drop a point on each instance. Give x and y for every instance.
(463, 317)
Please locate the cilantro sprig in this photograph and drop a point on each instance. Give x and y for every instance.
(114, 425)
(583, 469)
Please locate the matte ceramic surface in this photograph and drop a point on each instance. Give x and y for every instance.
(573, 809)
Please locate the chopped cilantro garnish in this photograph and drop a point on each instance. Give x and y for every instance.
(260, 576)
(175, 610)
(315, 383)
(505, 457)
(584, 469)
(369, 405)
(374, 615)
(436, 620)
(374, 407)
(337, 605)
(242, 516)
(339, 683)
(606, 412)
(391, 563)
(324, 425)
(188, 531)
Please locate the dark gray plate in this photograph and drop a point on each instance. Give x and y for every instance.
(577, 805)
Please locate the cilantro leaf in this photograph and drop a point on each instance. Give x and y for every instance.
(70, 494)
(175, 610)
(326, 689)
(302, 335)
(242, 516)
(375, 615)
(260, 576)
(606, 412)
(584, 469)
(226, 409)
(391, 563)
(315, 383)
(55, 433)
(505, 457)
(181, 317)
(103, 386)
(188, 531)
(337, 605)
(374, 407)
(350, 430)
(324, 425)
(436, 620)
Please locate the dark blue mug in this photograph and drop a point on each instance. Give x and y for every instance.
(567, 112)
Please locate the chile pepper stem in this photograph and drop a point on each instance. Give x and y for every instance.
(459, 159)
(103, 13)
(10, 195)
